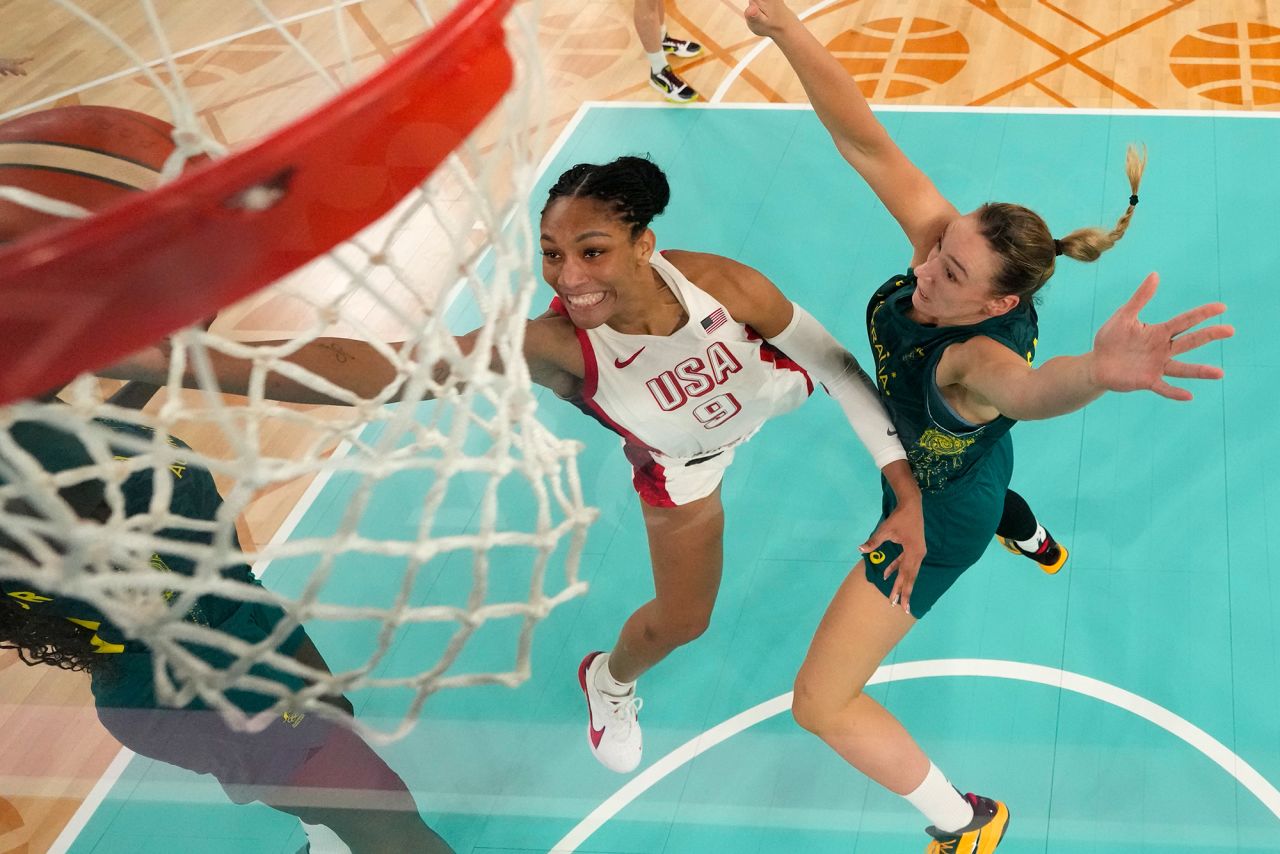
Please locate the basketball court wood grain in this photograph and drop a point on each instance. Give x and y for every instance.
(1145, 54)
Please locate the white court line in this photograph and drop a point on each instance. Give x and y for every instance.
(96, 795)
(1018, 671)
(932, 108)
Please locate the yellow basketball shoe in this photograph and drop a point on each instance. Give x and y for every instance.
(980, 836)
(1051, 555)
(673, 87)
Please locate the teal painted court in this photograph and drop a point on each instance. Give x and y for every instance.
(1169, 608)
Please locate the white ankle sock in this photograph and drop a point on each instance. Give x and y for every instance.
(940, 802)
(657, 61)
(1037, 539)
(322, 840)
(605, 682)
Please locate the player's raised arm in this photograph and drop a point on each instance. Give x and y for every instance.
(907, 192)
(1128, 355)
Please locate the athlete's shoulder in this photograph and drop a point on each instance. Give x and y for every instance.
(731, 283)
(700, 268)
(553, 352)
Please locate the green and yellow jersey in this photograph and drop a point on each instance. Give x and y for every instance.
(943, 448)
(130, 681)
(963, 469)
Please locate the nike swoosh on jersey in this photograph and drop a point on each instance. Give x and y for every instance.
(622, 363)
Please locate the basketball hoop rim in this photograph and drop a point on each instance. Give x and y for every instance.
(122, 258)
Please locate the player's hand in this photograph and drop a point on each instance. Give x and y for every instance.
(768, 17)
(1129, 355)
(904, 526)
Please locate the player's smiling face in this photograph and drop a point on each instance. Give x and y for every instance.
(954, 284)
(590, 259)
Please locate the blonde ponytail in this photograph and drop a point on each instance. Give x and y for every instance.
(1086, 244)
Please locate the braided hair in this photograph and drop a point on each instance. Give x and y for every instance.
(634, 187)
(1028, 250)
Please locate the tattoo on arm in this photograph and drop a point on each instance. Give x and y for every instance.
(341, 355)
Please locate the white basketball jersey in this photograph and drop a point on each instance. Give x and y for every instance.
(708, 386)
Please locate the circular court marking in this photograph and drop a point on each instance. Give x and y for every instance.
(1065, 680)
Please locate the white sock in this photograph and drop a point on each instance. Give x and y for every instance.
(940, 802)
(322, 840)
(1036, 541)
(605, 682)
(657, 61)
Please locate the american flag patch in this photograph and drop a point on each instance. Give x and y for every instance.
(714, 320)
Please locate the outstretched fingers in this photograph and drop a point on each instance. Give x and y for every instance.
(1186, 371)
(1192, 340)
(1190, 371)
(1172, 392)
(1193, 317)
(1141, 296)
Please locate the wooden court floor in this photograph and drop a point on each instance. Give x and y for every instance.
(1142, 54)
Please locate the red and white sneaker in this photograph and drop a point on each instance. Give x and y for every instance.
(613, 725)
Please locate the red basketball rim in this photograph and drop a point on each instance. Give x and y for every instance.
(82, 295)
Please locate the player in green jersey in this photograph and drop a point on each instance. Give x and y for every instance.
(302, 764)
(954, 340)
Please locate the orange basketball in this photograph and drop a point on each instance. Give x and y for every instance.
(88, 156)
(898, 57)
(1232, 63)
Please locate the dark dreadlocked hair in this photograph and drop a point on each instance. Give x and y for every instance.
(49, 639)
(635, 187)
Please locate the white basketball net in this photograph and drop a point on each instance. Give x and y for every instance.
(456, 515)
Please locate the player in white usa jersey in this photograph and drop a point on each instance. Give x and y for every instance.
(708, 336)
(684, 355)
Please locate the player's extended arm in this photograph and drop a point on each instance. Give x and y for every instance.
(357, 370)
(906, 192)
(355, 367)
(809, 343)
(1127, 355)
(133, 395)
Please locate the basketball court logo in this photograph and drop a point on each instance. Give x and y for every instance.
(899, 57)
(1235, 63)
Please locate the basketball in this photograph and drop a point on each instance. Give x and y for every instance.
(86, 155)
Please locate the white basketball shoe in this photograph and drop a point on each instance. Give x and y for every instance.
(613, 725)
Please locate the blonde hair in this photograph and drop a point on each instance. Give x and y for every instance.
(1027, 249)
